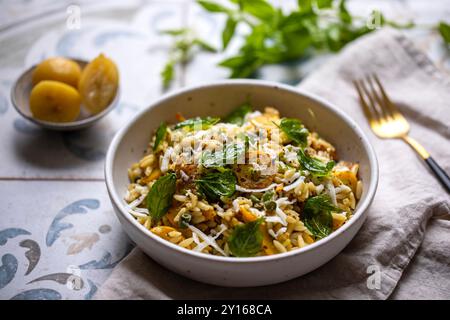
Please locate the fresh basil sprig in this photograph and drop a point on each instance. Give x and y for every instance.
(246, 240)
(277, 35)
(228, 155)
(159, 198)
(317, 215)
(200, 123)
(237, 116)
(160, 135)
(295, 130)
(314, 166)
(185, 44)
(214, 185)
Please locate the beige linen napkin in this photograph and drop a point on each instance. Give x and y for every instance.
(408, 194)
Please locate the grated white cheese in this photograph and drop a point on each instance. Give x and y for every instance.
(137, 202)
(135, 211)
(319, 188)
(165, 159)
(142, 210)
(294, 177)
(258, 213)
(290, 156)
(201, 246)
(280, 231)
(252, 115)
(282, 216)
(282, 202)
(274, 219)
(294, 184)
(242, 189)
(223, 228)
(342, 188)
(218, 208)
(236, 205)
(137, 214)
(209, 240)
(196, 239)
(184, 176)
(329, 188)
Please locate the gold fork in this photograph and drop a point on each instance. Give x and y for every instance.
(387, 122)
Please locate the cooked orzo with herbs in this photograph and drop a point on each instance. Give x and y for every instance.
(251, 184)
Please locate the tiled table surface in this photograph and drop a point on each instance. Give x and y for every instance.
(59, 238)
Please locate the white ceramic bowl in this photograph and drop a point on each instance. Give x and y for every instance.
(217, 99)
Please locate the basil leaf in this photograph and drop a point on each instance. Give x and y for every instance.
(444, 30)
(314, 166)
(237, 115)
(322, 4)
(246, 240)
(167, 73)
(317, 215)
(212, 6)
(228, 32)
(229, 155)
(305, 5)
(214, 185)
(201, 123)
(160, 135)
(204, 45)
(159, 198)
(260, 9)
(344, 14)
(174, 32)
(295, 130)
(242, 66)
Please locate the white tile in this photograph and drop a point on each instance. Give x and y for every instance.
(38, 211)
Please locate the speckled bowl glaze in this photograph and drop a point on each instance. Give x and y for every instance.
(217, 99)
(20, 97)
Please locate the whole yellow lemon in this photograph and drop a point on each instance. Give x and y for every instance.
(58, 69)
(55, 101)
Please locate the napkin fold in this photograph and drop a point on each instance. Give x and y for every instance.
(408, 195)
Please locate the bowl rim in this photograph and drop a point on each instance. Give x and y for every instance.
(363, 206)
(61, 125)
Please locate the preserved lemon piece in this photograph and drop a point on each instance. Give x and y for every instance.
(98, 84)
(58, 69)
(55, 101)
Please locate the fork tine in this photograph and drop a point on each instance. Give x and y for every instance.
(372, 102)
(369, 114)
(385, 112)
(388, 103)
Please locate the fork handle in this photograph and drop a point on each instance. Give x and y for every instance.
(439, 172)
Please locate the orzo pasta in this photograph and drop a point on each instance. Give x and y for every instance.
(251, 184)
